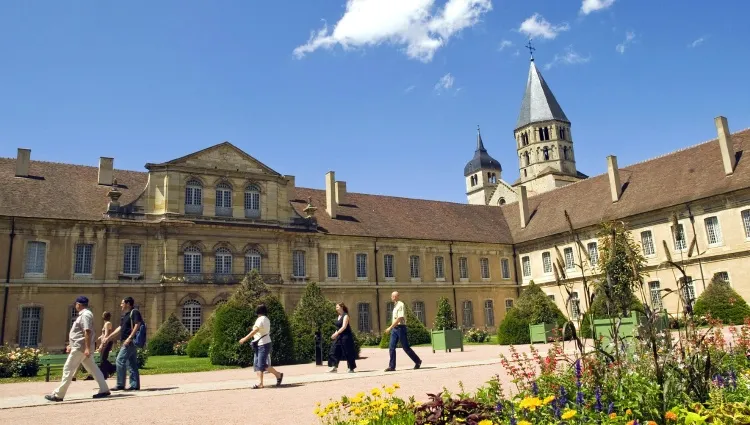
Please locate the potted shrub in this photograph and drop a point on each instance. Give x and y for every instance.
(444, 335)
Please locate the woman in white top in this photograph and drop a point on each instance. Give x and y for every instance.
(261, 335)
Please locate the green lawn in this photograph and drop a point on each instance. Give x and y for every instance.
(155, 365)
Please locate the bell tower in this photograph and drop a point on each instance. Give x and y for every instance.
(482, 174)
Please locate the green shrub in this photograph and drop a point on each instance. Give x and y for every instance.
(169, 333)
(514, 329)
(200, 342)
(477, 335)
(231, 323)
(180, 349)
(281, 332)
(314, 312)
(142, 357)
(416, 332)
(723, 303)
(445, 319)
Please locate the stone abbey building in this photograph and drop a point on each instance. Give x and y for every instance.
(178, 236)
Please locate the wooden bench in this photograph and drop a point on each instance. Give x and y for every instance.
(57, 361)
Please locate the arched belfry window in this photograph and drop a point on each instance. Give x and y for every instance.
(224, 199)
(545, 153)
(252, 201)
(526, 158)
(193, 197)
(565, 152)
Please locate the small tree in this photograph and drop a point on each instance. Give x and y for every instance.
(723, 303)
(445, 319)
(313, 313)
(169, 333)
(514, 329)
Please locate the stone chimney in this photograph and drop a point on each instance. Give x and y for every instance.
(340, 193)
(290, 182)
(106, 166)
(331, 198)
(23, 162)
(523, 206)
(614, 178)
(725, 143)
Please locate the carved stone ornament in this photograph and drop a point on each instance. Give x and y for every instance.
(309, 209)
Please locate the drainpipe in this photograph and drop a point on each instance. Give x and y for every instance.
(377, 288)
(695, 235)
(453, 284)
(515, 271)
(7, 279)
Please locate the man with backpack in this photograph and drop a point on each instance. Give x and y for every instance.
(132, 335)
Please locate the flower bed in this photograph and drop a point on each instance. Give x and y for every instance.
(18, 362)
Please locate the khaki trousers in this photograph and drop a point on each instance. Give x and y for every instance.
(76, 358)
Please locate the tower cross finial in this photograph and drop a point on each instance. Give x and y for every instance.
(531, 49)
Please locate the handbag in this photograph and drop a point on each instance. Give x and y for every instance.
(254, 343)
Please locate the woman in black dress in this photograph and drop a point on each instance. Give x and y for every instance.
(343, 342)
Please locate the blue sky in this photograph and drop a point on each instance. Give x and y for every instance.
(387, 93)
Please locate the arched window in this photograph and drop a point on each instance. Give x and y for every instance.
(468, 314)
(545, 152)
(192, 262)
(252, 261)
(252, 201)
(418, 308)
(501, 201)
(546, 133)
(527, 158)
(191, 315)
(193, 197)
(565, 152)
(224, 199)
(223, 261)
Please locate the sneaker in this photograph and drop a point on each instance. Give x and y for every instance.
(102, 395)
(333, 370)
(51, 397)
(351, 371)
(417, 365)
(389, 369)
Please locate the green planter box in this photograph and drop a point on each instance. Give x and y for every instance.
(447, 340)
(629, 329)
(541, 333)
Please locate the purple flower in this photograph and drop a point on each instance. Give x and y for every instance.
(512, 420)
(535, 388)
(563, 396)
(598, 395)
(611, 408)
(579, 398)
(499, 407)
(578, 369)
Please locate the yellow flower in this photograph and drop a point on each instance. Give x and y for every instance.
(357, 411)
(390, 390)
(485, 422)
(549, 399)
(391, 413)
(628, 412)
(569, 414)
(376, 392)
(524, 423)
(356, 399)
(530, 403)
(397, 386)
(613, 415)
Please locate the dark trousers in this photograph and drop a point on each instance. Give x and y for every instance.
(343, 347)
(399, 334)
(105, 365)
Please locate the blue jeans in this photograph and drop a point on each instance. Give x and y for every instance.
(399, 334)
(128, 355)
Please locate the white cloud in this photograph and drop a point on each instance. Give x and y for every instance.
(418, 25)
(409, 89)
(568, 57)
(697, 42)
(504, 45)
(536, 26)
(589, 6)
(445, 83)
(629, 36)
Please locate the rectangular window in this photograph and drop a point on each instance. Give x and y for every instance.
(389, 306)
(31, 322)
(569, 263)
(508, 305)
(593, 253)
(36, 253)
(363, 309)
(575, 310)
(414, 266)
(526, 266)
(131, 262)
(484, 267)
(468, 314)
(332, 265)
(361, 266)
(419, 311)
(299, 268)
(679, 238)
(439, 268)
(746, 222)
(463, 268)
(647, 241)
(388, 266)
(655, 289)
(547, 262)
(713, 231)
(688, 289)
(505, 266)
(489, 313)
(721, 277)
(84, 254)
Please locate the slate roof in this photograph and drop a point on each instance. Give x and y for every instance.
(482, 160)
(538, 104)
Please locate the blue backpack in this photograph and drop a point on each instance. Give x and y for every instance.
(140, 337)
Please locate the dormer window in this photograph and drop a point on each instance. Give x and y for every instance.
(252, 201)
(193, 197)
(224, 199)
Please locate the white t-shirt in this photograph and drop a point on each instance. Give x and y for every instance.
(263, 325)
(398, 311)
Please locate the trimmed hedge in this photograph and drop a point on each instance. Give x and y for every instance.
(514, 329)
(723, 303)
(533, 307)
(282, 351)
(416, 332)
(169, 333)
(231, 323)
(314, 312)
(200, 342)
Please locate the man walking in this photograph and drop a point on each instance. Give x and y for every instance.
(80, 345)
(398, 325)
(130, 321)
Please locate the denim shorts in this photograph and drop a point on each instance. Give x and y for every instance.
(262, 358)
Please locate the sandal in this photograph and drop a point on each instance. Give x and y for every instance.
(278, 381)
(256, 387)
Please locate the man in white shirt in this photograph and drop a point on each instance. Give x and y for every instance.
(80, 346)
(398, 325)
